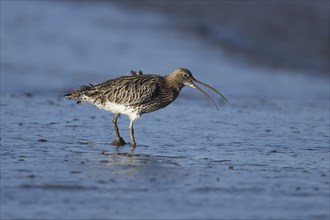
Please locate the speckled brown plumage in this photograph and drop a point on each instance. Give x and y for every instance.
(136, 95)
(146, 92)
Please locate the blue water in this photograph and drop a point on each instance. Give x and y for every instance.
(264, 155)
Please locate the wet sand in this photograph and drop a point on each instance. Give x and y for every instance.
(264, 155)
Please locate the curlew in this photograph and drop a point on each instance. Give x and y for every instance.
(136, 95)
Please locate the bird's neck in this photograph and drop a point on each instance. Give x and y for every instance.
(173, 83)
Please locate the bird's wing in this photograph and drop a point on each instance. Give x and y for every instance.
(128, 90)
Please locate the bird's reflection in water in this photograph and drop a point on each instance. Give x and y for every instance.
(130, 163)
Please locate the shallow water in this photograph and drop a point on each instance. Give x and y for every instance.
(263, 159)
(265, 154)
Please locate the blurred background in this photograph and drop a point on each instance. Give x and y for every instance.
(241, 46)
(264, 155)
(284, 34)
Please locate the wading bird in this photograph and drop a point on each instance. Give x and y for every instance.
(136, 95)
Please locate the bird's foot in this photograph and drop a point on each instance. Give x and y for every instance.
(133, 145)
(119, 141)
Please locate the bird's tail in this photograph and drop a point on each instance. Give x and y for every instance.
(82, 94)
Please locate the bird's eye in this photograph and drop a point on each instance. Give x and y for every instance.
(186, 75)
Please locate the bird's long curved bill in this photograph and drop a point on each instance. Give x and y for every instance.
(209, 97)
(210, 87)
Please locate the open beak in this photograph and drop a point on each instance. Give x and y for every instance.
(209, 97)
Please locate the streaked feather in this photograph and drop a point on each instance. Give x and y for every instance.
(126, 90)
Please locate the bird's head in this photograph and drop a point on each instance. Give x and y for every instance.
(185, 78)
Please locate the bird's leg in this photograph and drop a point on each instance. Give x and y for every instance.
(114, 121)
(131, 134)
(118, 141)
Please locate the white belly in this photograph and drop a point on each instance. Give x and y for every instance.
(120, 109)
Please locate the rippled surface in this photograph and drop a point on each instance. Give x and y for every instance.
(263, 158)
(264, 155)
